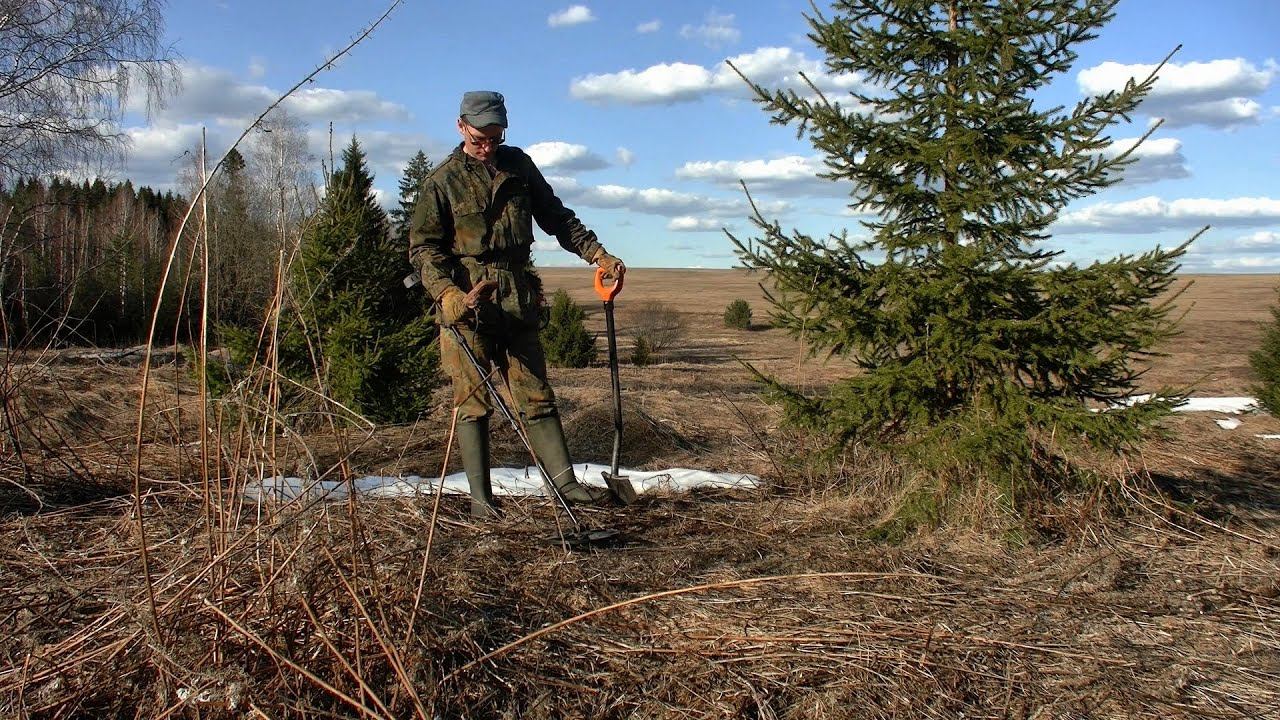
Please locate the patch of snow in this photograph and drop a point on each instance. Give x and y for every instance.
(506, 481)
(1228, 423)
(1268, 437)
(1229, 405)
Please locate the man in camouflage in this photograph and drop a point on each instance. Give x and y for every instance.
(470, 239)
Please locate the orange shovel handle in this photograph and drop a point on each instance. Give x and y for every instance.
(607, 292)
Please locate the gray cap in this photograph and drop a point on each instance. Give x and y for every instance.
(482, 108)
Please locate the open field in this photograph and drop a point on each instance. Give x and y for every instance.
(773, 604)
(1224, 313)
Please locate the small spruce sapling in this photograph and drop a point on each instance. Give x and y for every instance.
(984, 355)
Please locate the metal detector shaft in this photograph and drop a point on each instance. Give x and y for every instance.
(515, 424)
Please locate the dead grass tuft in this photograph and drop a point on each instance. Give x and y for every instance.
(644, 438)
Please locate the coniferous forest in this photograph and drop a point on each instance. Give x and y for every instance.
(81, 262)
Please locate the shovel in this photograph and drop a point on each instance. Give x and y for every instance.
(619, 484)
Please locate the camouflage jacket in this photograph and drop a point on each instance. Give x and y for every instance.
(466, 225)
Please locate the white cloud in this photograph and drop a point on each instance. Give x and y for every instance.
(1152, 214)
(158, 152)
(1156, 159)
(1195, 81)
(649, 27)
(1256, 252)
(327, 104)
(1215, 93)
(667, 83)
(225, 103)
(565, 157)
(716, 31)
(1247, 263)
(1261, 241)
(689, 223)
(208, 94)
(572, 15)
(162, 142)
(624, 157)
(657, 84)
(656, 201)
(1217, 113)
(790, 175)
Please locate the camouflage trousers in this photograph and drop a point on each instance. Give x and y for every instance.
(516, 352)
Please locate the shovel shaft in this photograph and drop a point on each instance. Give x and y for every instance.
(621, 487)
(617, 386)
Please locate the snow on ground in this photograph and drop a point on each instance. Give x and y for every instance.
(506, 481)
(528, 481)
(1230, 405)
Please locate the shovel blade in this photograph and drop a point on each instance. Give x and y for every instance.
(621, 487)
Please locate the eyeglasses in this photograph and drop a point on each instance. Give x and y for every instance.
(483, 140)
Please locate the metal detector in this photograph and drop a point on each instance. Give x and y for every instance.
(580, 538)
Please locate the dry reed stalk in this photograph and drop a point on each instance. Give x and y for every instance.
(431, 527)
(291, 664)
(158, 636)
(342, 660)
(388, 649)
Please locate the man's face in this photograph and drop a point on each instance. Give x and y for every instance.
(481, 143)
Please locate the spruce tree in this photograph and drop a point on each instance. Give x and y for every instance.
(1265, 362)
(984, 357)
(738, 315)
(415, 173)
(241, 249)
(354, 325)
(565, 338)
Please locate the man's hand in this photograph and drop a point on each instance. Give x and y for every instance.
(453, 306)
(612, 266)
(482, 292)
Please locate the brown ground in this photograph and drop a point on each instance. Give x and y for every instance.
(788, 609)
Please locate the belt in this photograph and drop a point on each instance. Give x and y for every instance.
(497, 262)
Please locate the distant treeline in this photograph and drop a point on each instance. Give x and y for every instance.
(80, 262)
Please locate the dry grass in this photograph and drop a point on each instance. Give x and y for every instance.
(771, 605)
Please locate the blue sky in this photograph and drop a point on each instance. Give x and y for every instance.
(632, 113)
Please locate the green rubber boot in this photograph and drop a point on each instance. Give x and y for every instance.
(547, 438)
(473, 446)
